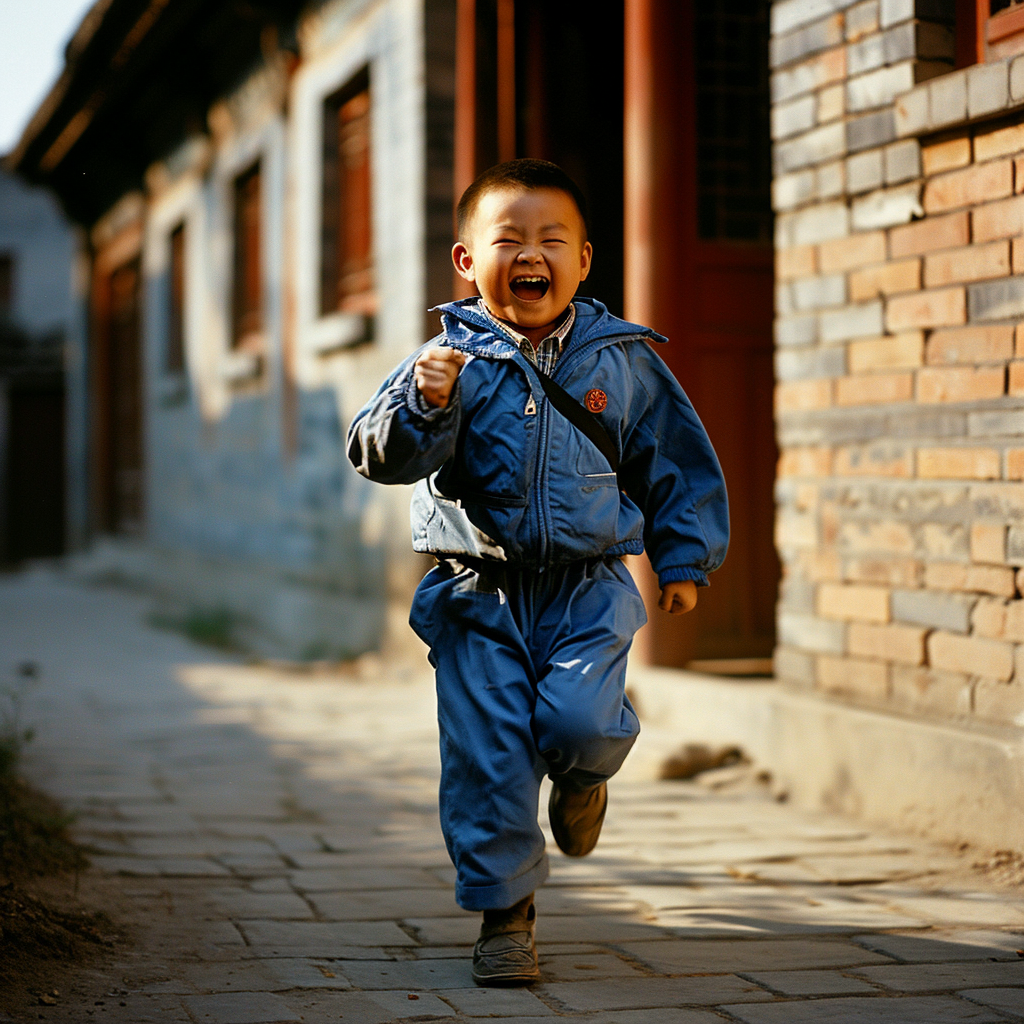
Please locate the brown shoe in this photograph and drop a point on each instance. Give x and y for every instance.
(576, 817)
(505, 953)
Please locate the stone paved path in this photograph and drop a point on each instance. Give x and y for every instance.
(276, 834)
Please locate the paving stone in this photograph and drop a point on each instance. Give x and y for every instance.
(345, 879)
(388, 904)
(581, 967)
(241, 1008)
(277, 906)
(940, 946)
(412, 974)
(652, 992)
(411, 1004)
(811, 983)
(944, 977)
(853, 1010)
(496, 1002)
(317, 935)
(1009, 999)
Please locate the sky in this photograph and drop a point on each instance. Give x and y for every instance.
(32, 38)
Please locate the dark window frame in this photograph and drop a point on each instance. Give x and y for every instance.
(177, 263)
(8, 270)
(247, 263)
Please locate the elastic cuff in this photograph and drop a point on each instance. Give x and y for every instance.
(504, 894)
(423, 409)
(676, 573)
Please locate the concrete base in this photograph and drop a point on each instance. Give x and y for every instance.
(950, 782)
(264, 611)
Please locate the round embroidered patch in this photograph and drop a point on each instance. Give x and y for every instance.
(596, 400)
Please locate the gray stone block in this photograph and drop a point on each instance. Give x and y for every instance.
(902, 161)
(870, 130)
(831, 180)
(988, 88)
(819, 35)
(880, 87)
(996, 423)
(912, 112)
(810, 364)
(865, 55)
(894, 11)
(859, 321)
(793, 117)
(937, 611)
(1015, 545)
(792, 190)
(996, 300)
(790, 14)
(887, 207)
(820, 292)
(796, 330)
(864, 171)
(932, 423)
(948, 99)
(814, 147)
(820, 223)
(1017, 79)
(862, 19)
(784, 302)
(809, 633)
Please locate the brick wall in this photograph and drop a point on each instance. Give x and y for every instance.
(899, 193)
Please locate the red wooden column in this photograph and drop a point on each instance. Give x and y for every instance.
(506, 80)
(465, 115)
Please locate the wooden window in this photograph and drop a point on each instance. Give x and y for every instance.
(175, 353)
(988, 30)
(6, 283)
(247, 283)
(346, 269)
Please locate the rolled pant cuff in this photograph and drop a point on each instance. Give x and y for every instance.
(504, 894)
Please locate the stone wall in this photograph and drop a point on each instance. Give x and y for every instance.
(899, 192)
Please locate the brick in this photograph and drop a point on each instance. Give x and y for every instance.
(887, 207)
(798, 261)
(856, 250)
(988, 543)
(894, 642)
(857, 321)
(990, 579)
(931, 234)
(948, 99)
(803, 395)
(792, 190)
(919, 40)
(979, 183)
(946, 156)
(899, 352)
(971, 263)
(996, 300)
(996, 422)
(886, 279)
(853, 601)
(864, 171)
(790, 14)
(1015, 464)
(796, 330)
(808, 461)
(992, 344)
(820, 223)
(861, 20)
(812, 634)
(882, 458)
(1017, 80)
(912, 111)
(959, 464)
(869, 130)
(999, 701)
(814, 147)
(1015, 545)
(819, 292)
(831, 103)
(865, 55)
(933, 610)
(999, 619)
(1002, 142)
(819, 35)
(1015, 378)
(988, 88)
(918, 690)
(794, 666)
(1017, 255)
(902, 161)
(879, 87)
(793, 117)
(1019, 340)
(801, 364)
(892, 572)
(877, 537)
(997, 501)
(853, 677)
(971, 655)
(1012, 620)
(795, 530)
(831, 179)
(938, 308)
(824, 69)
(960, 384)
(944, 540)
(875, 388)
(1002, 219)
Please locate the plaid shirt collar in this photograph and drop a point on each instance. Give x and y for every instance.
(545, 354)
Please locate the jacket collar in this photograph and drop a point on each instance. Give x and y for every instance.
(467, 328)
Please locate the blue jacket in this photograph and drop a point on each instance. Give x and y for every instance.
(501, 474)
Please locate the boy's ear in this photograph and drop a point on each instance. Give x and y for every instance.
(585, 260)
(463, 260)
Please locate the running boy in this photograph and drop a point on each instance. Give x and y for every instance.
(529, 498)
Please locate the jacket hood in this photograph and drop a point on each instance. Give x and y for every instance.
(467, 328)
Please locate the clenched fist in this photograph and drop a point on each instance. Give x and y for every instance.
(679, 597)
(436, 372)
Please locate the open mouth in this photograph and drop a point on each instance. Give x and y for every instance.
(530, 288)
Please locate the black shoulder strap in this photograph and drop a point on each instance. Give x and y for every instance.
(581, 418)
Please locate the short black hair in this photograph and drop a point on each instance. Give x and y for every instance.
(522, 173)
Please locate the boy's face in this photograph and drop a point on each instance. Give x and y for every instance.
(525, 251)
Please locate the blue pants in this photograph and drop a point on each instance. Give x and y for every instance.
(530, 670)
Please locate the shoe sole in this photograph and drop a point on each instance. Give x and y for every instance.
(505, 980)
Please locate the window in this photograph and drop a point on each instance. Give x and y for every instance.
(6, 283)
(247, 282)
(988, 30)
(175, 352)
(346, 269)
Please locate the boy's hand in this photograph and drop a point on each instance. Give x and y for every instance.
(678, 597)
(436, 372)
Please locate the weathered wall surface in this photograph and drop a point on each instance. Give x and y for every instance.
(900, 397)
